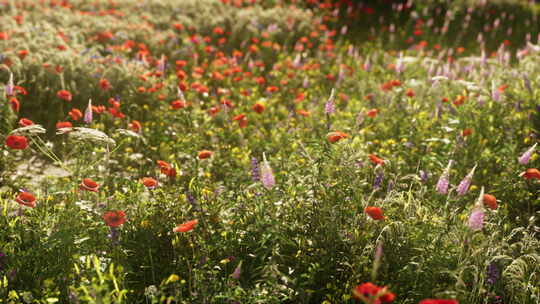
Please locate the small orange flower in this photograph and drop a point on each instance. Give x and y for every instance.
(531, 173)
(459, 100)
(25, 122)
(63, 124)
(336, 136)
(490, 201)
(149, 182)
(89, 185)
(258, 107)
(302, 112)
(466, 132)
(65, 95)
(204, 154)
(178, 104)
(15, 104)
(75, 114)
(26, 199)
(104, 84)
(372, 113)
(409, 93)
(114, 218)
(187, 226)
(135, 126)
(376, 160)
(375, 213)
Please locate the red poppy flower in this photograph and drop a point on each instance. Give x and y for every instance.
(531, 173)
(104, 84)
(25, 122)
(75, 114)
(166, 169)
(22, 54)
(302, 112)
(336, 136)
(15, 104)
(239, 117)
(26, 199)
(466, 132)
(372, 113)
(258, 107)
(490, 201)
(459, 100)
(376, 160)
(178, 104)
(204, 154)
(149, 182)
(17, 142)
(114, 218)
(409, 93)
(438, 301)
(63, 124)
(135, 126)
(187, 226)
(375, 213)
(373, 293)
(89, 185)
(65, 95)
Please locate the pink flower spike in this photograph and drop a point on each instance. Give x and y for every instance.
(476, 219)
(525, 157)
(267, 176)
(463, 186)
(442, 184)
(88, 113)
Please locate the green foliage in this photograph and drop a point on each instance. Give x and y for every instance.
(306, 237)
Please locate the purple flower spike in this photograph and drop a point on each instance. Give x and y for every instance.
(525, 157)
(442, 184)
(237, 271)
(88, 113)
(10, 86)
(464, 185)
(267, 176)
(476, 219)
(329, 107)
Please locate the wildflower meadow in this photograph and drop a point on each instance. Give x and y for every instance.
(270, 151)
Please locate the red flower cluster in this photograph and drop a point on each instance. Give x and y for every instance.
(371, 293)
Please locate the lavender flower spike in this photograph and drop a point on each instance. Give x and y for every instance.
(465, 183)
(476, 219)
(329, 107)
(525, 157)
(237, 271)
(267, 176)
(10, 86)
(442, 184)
(88, 113)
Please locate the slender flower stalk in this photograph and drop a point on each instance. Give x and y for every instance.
(464, 185)
(255, 170)
(267, 176)
(88, 113)
(329, 107)
(527, 83)
(442, 184)
(525, 157)
(378, 180)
